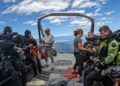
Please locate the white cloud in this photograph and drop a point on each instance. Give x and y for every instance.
(43, 6)
(60, 19)
(30, 22)
(77, 11)
(89, 14)
(109, 13)
(88, 4)
(103, 22)
(100, 23)
(83, 22)
(56, 21)
(8, 1)
(94, 14)
(30, 6)
(98, 14)
(104, 18)
(77, 22)
(77, 3)
(102, 1)
(2, 23)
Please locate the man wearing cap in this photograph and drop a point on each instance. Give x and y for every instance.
(108, 49)
(28, 44)
(48, 42)
(7, 33)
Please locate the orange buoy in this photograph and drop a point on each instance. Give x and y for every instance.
(39, 55)
(116, 83)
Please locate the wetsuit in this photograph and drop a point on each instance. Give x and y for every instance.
(107, 52)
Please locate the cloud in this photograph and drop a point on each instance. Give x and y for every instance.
(99, 7)
(104, 18)
(35, 6)
(77, 22)
(88, 4)
(8, 1)
(60, 19)
(28, 7)
(102, 1)
(109, 13)
(76, 3)
(89, 14)
(83, 22)
(98, 14)
(103, 22)
(2, 23)
(100, 23)
(94, 14)
(30, 22)
(57, 19)
(77, 11)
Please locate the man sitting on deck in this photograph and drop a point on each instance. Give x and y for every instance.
(107, 53)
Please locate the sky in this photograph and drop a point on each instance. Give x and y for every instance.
(23, 14)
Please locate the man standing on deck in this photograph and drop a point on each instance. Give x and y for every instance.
(48, 42)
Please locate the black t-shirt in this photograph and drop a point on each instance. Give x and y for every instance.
(28, 41)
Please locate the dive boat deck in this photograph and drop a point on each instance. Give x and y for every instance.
(62, 62)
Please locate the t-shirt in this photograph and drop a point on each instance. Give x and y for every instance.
(49, 39)
(75, 44)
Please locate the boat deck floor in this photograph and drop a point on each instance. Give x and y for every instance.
(62, 62)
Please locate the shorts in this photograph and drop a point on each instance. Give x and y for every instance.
(48, 53)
